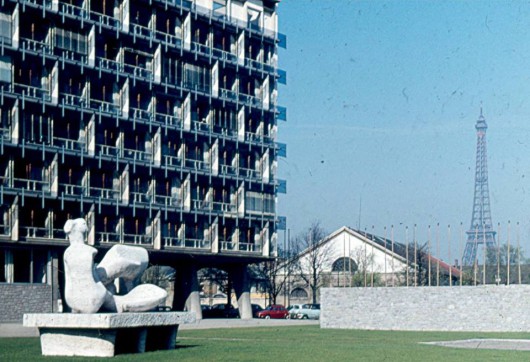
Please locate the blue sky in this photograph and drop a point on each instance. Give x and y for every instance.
(382, 99)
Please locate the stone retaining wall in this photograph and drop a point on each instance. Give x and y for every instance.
(19, 298)
(466, 308)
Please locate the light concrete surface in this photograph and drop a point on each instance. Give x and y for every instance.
(107, 320)
(483, 308)
(245, 323)
(510, 344)
(17, 330)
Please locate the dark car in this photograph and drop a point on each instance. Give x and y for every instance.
(277, 311)
(256, 308)
(221, 311)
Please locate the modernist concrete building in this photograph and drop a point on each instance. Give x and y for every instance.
(154, 120)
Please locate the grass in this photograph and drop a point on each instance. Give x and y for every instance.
(304, 343)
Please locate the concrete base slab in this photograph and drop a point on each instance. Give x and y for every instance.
(106, 334)
(508, 344)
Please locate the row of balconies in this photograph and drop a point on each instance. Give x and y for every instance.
(117, 108)
(118, 23)
(120, 193)
(168, 242)
(154, 37)
(165, 121)
(263, 173)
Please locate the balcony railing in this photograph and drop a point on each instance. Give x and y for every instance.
(170, 242)
(197, 243)
(35, 46)
(105, 150)
(137, 239)
(42, 232)
(103, 193)
(224, 207)
(31, 185)
(172, 161)
(228, 170)
(106, 237)
(70, 189)
(249, 247)
(227, 245)
(137, 155)
(196, 164)
(202, 205)
(68, 144)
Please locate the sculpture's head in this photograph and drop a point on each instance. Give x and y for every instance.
(75, 230)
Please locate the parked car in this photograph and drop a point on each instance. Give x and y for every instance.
(277, 311)
(309, 311)
(221, 311)
(293, 310)
(256, 308)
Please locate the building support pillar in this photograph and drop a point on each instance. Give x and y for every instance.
(52, 278)
(241, 278)
(187, 290)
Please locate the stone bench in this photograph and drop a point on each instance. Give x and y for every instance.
(106, 334)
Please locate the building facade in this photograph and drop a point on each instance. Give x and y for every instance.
(154, 120)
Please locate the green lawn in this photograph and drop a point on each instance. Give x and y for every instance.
(304, 343)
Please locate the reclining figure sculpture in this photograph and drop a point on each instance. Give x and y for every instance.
(89, 289)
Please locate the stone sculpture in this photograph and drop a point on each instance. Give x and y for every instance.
(89, 289)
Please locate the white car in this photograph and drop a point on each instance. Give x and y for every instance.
(309, 311)
(293, 311)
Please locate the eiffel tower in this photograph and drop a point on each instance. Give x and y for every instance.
(481, 230)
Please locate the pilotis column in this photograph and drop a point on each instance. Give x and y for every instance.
(241, 279)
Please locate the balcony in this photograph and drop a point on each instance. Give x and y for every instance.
(137, 239)
(68, 144)
(71, 189)
(172, 161)
(188, 243)
(242, 247)
(137, 155)
(42, 232)
(202, 205)
(224, 207)
(197, 165)
(103, 193)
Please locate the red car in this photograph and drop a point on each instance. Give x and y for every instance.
(277, 311)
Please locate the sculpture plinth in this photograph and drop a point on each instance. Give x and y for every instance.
(106, 334)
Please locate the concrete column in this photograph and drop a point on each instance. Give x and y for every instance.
(53, 280)
(9, 267)
(187, 290)
(241, 279)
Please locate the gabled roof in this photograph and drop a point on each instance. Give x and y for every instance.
(397, 250)
(388, 246)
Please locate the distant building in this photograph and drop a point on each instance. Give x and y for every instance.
(156, 121)
(353, 258)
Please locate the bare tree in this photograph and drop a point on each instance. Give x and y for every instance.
(267, 275)
(505, 264)
(313, 257)
(364, 276)
(218, 277)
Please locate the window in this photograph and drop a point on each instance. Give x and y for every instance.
(194, 76)
(5, 28)
(253, 18)
(71, 41)
(5, 69)
(258, 202)
(346, 265)
(299, 293)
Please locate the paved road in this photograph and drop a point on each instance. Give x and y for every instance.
(17, 330)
